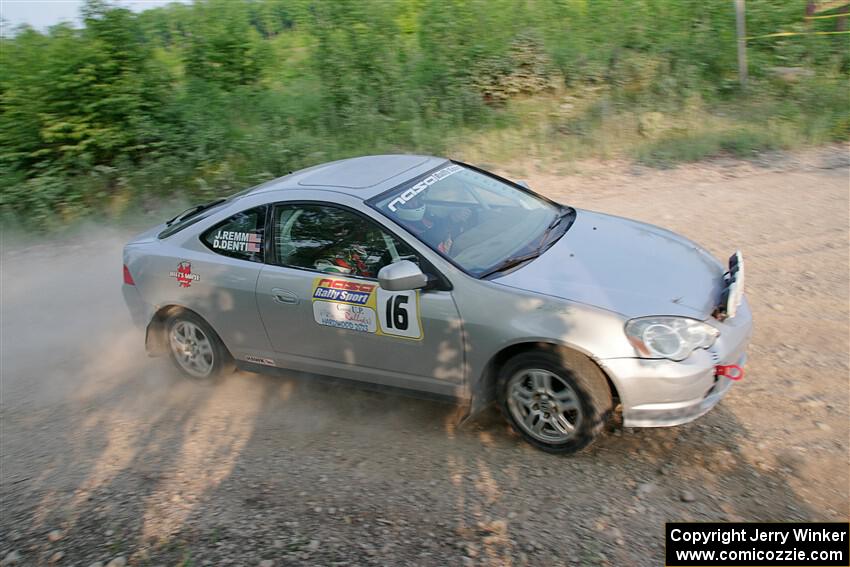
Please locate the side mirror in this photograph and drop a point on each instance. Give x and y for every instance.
(523, 183)
(403, 275)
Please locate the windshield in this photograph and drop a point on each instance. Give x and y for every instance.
(480, 223)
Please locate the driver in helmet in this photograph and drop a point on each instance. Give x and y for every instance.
(438, 232)
(350, 261)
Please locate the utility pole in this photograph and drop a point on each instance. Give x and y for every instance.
(742, 42)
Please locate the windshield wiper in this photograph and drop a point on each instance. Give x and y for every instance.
(509, 263)
(192, 211)
(517, 260)
(555, 222)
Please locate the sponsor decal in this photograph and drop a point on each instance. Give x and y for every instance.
(355, 293)
(237, 241)
(417, 188)
(260, 360)
(345, 316)
(184, 274)
(366, 308)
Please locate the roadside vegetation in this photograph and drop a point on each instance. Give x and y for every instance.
(201, 100)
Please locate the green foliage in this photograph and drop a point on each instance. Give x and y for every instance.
(204, 99)
(223, 47)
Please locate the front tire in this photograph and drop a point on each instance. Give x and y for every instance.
(556, 400)
(195, 349)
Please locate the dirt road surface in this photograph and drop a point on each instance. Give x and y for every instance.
(107, 454)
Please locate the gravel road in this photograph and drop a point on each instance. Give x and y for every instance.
(108, 456)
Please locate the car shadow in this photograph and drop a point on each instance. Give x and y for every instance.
(263, 467)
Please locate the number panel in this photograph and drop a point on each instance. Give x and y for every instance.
(398, 313)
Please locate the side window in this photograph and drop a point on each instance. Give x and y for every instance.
(240, 236)
(333, 240)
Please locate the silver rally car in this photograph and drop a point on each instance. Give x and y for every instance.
(431, 275)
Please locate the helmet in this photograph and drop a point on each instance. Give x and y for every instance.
(412, 210)
(332, 267)
(411, 214)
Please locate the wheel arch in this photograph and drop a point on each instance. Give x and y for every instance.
(156, 338)
(487, 385)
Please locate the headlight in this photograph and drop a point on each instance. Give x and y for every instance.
(669, 337)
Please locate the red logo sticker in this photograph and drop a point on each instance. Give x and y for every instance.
(184, 274)
(346, 285)
(731, 371)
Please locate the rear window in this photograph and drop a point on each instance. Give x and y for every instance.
(198, 213)
(188, 218)
(240, 236)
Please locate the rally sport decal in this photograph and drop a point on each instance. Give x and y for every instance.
(366, 308)
(184, 274)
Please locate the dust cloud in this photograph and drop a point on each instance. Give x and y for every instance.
(85, 410)
(65, 328)
(86, 413)
(66, 336)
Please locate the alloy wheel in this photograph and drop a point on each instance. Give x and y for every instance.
(544, 405)
(192, 349)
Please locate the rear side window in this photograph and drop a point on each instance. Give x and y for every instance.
(241, 236)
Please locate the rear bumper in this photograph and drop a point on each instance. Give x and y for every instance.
(135, 305)
(659, 393)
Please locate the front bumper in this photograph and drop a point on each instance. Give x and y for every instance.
(659, 393)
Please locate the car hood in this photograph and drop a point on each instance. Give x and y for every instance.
(625, 266)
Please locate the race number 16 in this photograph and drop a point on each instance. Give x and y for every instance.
(398, 314)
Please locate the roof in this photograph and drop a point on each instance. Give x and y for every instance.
(363, 177)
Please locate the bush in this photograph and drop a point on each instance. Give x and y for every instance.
(203, 99)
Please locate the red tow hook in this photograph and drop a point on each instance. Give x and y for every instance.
(731, 371)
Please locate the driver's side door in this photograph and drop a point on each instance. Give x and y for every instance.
(325, 312)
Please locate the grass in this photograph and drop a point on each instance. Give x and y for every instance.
(569, 126)
(551, 132)
(694, 146)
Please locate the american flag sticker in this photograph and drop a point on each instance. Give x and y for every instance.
(254, 242)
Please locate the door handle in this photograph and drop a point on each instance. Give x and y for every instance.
(284, 296)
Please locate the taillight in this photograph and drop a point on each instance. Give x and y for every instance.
(128, 279)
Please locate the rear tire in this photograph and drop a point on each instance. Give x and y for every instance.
(557, 400)
(195, 349)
